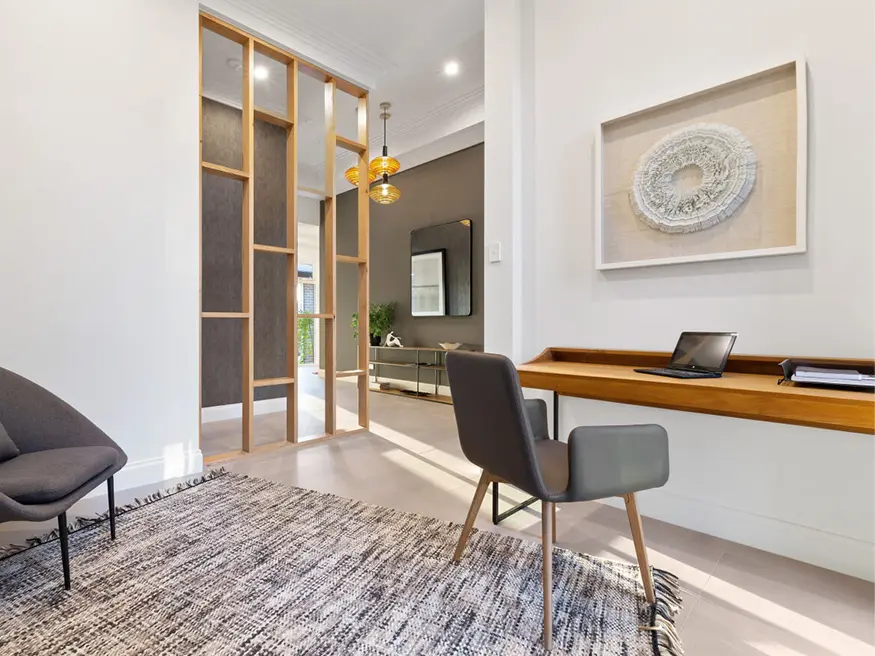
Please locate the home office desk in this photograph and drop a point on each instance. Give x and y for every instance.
(748, 389)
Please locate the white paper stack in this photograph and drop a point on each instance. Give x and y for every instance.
(823, 376)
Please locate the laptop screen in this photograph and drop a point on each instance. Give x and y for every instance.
(703, 351)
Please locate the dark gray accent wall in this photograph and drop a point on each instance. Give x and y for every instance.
(221, 252)
(443, 190)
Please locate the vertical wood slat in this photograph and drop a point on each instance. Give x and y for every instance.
(292, 260)
(200, 234)
(248, 140)
(364, 253)
(329, 277)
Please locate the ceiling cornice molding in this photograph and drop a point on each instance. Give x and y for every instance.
(351, 64)
(423, 125)
(223, 99)
(457, 105)
(355, 56)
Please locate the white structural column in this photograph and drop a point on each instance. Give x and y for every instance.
(509, 180)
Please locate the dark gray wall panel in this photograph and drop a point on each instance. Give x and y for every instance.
(443, 190)
(222, 219)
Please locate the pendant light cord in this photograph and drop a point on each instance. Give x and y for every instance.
(385, 147)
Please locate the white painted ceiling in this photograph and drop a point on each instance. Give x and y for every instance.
(398, 48)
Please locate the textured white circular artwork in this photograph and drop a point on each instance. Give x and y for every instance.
(721, 163)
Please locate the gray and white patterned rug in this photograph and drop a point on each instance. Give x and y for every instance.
(241, 565)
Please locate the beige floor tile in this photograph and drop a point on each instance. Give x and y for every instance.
(829, 610)
(604, 531)
(737, 600)
(747, 626)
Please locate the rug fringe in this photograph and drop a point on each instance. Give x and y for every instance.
(84, 522)
(666, 641)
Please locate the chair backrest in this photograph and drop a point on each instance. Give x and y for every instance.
(494, 430)
(37, 420)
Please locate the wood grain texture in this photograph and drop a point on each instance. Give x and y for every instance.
(224, 315)
(473, 509)
(350, 145)
(272, 117)
(269, 382)
(547, 570)
(225, 29)
(640, 547)
(265, 248)
(248, 261)
(349, 259)
(364, 271)
(225, 171)
(292, 245)
(329, 274)
(609, 376)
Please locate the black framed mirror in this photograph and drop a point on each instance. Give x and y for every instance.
(440, 270)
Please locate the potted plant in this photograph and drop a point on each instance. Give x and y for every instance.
(382, 316)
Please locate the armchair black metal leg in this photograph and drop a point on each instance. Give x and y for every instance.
(65, 552)
(495, 502)
(110, 489)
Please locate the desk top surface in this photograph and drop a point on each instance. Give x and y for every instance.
(749, 389)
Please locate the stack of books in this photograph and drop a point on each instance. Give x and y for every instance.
(842, 377)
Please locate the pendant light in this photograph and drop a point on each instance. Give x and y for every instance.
(384, 193)
(385, 164)
(352, 174)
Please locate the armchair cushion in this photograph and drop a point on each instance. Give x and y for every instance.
(46, 476)
(7, 446)
(608, 461)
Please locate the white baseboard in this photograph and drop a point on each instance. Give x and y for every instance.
(175, 463)
(266, 406)
(235, 410)
(821, 548)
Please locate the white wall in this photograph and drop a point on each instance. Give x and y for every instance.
(98, 236)
(801, 492)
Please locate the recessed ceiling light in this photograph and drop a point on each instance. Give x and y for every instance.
(260, 72)
(451, 68)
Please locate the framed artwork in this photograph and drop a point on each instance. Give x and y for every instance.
(428, 288)
(715, 175)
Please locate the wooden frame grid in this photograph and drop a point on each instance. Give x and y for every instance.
(246, 175)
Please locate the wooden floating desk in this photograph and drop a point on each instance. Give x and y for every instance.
(748, 389)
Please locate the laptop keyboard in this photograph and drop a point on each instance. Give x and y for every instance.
(678, 373)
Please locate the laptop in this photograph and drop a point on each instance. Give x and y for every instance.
(697, 355)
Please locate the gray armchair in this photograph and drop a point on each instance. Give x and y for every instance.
(50, 457)
(507, 436)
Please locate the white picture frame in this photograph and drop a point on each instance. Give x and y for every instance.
(428, 292)
(801, 177)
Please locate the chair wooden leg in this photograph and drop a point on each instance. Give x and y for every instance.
(553, 505)
(547, 527)
(476, 502)
(65, 551)
(640, 548)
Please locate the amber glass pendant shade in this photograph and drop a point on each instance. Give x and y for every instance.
(384, 193)
(352, 174)
(384, 165)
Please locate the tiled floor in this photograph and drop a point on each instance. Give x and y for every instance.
(737, 600)
(224, 436)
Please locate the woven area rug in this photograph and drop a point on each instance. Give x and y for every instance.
(244, 566)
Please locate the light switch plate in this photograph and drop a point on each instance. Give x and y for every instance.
(495, 252)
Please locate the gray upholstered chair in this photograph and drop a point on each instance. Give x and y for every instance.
(508, 437)
(50, 457)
